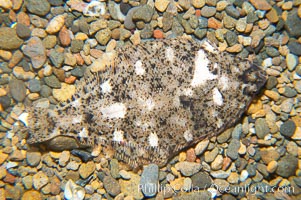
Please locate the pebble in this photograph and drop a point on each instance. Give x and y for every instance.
(83, 155)
(52, 81)
(62, 143)
(33, 158)
(287, 105)
(217, 163)
(261, 128)
(73, 191)
(272, 94)
(288, 128)
(40, 8)
(9, 39)
(188, 168)
(103, 36)
(40, 179)
(86, 169)
(77, 46)
(130, 187)
(55, 24)
(293, 24)
(36, 52)
(56, 58)
(17, 89)
(261, 4)
(201, 180)
(295, 48)
(124, 174)
(64, 158)
(149, 180)
(32, 195)
(144, 13)
(111, 186)
(233, 147)
(272, 16)
(287, 166)
(211, 155)
(64, 36)
(291, 61)
(114, 168)
(23, 31)
(161, 5)
(23, 75)
(232, 11)
(201, 147)
(208, 11)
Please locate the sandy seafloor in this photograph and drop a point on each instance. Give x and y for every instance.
(47, 45)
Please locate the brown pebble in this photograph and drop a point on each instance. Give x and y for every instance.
(158, 34)
(96, 53)
(31, 195)
(64, 36)
(272, 16)
(23, 18)
(16, 58)
(226, 163)
(190, 155)
(9, 178)
(70, 79)
(214, 23)
(12, 16)
(79, 59)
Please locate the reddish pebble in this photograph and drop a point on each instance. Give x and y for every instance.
(226, 163)
(190, 155)
(16, 58)
(198, 12)
(158, 34)
(9, 178)
(70, 79)
(79, 59)
(64, 37)
(12, 15)
(214, 23)
(96, 53)
(23, 18)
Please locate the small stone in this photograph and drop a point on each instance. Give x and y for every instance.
(9, 39)
(56, 58)
(233, 178)
(40, 179)
(293, 23)
(64, 93)
(55, 24)
(233, 147)
(261, 4)
(23, 31)
(187, 184)
(49, 41)
(111, 186)
(261, 128)
(158, 34)
(124, 174)
(149, 180)
(291, 61)
(32, 195)
(201, 147)
(288, 92)
(198, 3)
(86, 169)
(287, 105)
(64, 36)
(232, 11)
(200, 33)
(52, 81)
(241, 24)
(288, 128)
(201, 180)
(295, 48)
(231, 38)
(69, 59)
(64, 158)
(188, 168)
(208, 11)
(161, 5)
(23, 75)
(33, 158)
(40, 8)
(17, 89)
(211, 155)
(36, 52)
(144, 13)
(103, 36)
(287, 166)
(221, 5)
(272, 16)
(272, 166)
(177, 184)
(271, 82)
(272, 94)
(131, 187)
(217, 163)
(191, 156)
(77, 46)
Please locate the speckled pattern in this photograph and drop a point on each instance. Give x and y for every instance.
(160, 97)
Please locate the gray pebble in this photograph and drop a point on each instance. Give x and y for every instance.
(233, 147)
(167, 21)
(52, 81)
(111, 186)
(33, 158)
(76, 46)
(56, 58)
(236, 133)
(224, 137)
(271, 82)
(297, 180)
(45, 91)
(17, 89)
(232, 11)
(144, 13)
(203, 22)
(289, 92)
(261, 128)
(149, 180)
(147, 31)
(114, 168)
(201, 180)
(288, 128)
(231, 38)
(293, 24)
(295, 48)
(34, 85)
(202, 194)
(177, 27)
(251, 168)
(251, 18)
(23, 31)
(125, 7)
(78, 72)
(287, 166)
(272, 52)
(40, 8)
(128, 21)
(200, 33)
(103, 36)
(208, 11)
(188, 168)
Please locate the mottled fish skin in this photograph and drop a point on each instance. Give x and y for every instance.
(162, 96)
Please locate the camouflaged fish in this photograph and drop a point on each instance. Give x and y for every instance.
(160, 97)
